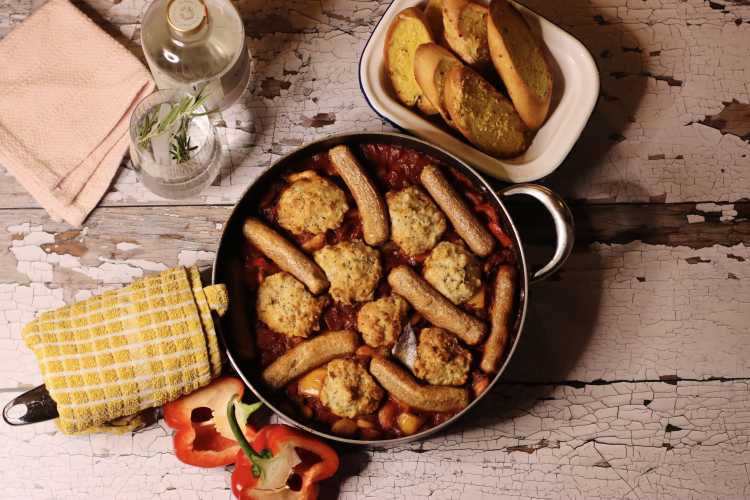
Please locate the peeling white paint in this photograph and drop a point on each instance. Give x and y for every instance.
(710, 207)
(192, 257)
(39, 265)
(728, 213)
(126, 246)
(24, 228)
(111, 272)
(82, 295)
(144, 265)
(34, 238)
(632, 311)
(526, 442)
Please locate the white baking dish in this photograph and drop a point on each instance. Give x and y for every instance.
(576, 91)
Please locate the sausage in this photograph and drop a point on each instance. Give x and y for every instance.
(285, 255)
(370, 203)
(466, 224)
(400, 384)
(308, 355)
(432, 305)
(500, 313)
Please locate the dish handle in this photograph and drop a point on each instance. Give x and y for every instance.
(561, 216)
(32, 406)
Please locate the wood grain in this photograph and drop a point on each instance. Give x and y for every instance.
(616, 390)
(617, 311)
(631, 379)
(693, 225)
(621, 440)
(668, 70)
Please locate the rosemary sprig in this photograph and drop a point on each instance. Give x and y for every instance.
(180, 147)
(147, 123)
(151, 126)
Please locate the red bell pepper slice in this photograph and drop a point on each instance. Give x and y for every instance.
(282, 464)
(203, 437)
(494, 224)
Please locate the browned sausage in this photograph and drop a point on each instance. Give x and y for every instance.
(434, 306)
(500, 312)
(466, 224)
(370, 203)
(285, 255)
(400, 384)
(308, 355)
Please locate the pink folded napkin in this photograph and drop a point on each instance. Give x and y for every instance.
(67, 90)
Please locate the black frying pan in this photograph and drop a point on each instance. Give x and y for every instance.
(237, 337)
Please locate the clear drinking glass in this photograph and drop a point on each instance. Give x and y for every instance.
(183, 159)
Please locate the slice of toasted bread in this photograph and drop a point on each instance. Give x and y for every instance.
(408, 31)
(483, 115)
(431, 63)
(433, 11)
(519, 57)
(465, 31)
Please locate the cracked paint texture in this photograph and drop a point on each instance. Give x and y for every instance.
(613, 391)
(593, 442)
(616, 311)
(665, 66)
(620, 440)
(631, 379)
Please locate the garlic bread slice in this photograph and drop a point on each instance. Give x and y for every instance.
(465, 32)
(431, 63)
(408, 31)
(520, 59)
(483, 115)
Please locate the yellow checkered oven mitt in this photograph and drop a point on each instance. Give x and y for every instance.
(116, 354)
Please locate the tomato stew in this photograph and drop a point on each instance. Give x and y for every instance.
(391, 167)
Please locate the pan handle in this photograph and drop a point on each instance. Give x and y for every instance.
(561, 216)
(35, 405)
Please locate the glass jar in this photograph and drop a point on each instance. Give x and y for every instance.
(166, 166)
(190, 44)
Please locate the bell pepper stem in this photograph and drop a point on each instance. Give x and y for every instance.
(256, 458)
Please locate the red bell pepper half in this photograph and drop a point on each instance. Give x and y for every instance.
(203, 436)
(282, 463)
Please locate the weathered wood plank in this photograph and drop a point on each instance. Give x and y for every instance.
(668, 69)
(632, 378)
(616, 441)
(665, 66)
(694, 225)
(618, 311)
(622, 440)
(639, 311)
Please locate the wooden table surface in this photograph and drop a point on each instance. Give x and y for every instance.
(632, 378)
